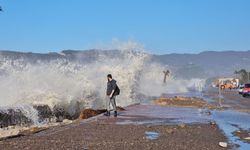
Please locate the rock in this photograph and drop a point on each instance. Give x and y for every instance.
(223, 144)
(60, 113)
(67, 121)
(247, 138)
(87, 113)
(34, 129)
(12, 117)
(212, 123)
(44, 112)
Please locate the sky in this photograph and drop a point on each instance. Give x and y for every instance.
(161, 26)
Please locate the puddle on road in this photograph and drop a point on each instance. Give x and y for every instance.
(228, 121)
(144, 122)
(231, 121)
(164, 115)
(152, 135)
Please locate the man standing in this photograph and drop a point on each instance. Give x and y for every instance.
(112, 92)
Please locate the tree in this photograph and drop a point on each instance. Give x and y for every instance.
(244, 75)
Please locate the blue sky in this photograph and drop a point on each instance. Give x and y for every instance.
(162, 26)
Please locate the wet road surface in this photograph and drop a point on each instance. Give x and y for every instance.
(139, 127)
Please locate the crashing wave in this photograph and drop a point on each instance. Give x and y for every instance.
(67, 84)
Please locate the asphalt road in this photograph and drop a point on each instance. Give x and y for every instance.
(128, 131)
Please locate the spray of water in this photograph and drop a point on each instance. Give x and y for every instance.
(65, 82)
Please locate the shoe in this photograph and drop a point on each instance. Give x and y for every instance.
(107, 113)
(115, 114)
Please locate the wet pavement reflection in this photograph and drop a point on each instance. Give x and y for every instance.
(229, 121)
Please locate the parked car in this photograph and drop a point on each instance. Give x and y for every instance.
(246, 90)
(240, 89)
(227, 83)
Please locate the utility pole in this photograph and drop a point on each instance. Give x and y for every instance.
(248, 77)
(220, 94)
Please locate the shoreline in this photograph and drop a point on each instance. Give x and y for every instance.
(177, 123)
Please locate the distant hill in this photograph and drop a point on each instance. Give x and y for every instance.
(205, 64)
(209, 63)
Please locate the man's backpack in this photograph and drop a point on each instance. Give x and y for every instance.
(117, 90)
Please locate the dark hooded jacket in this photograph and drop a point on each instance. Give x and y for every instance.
(111, 85)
